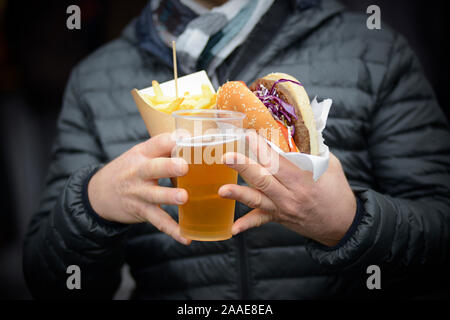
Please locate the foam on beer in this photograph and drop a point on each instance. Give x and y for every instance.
(209, 149)
(206, 140)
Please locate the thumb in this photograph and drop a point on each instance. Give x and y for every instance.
(254, 218)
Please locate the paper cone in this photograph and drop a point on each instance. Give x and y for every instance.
(156, 121)
(159, 122)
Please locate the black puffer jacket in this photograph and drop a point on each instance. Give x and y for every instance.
(385, 126)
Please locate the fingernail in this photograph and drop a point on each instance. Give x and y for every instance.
(224, 193)
(228, 158)
(185, 241)
(180, 198)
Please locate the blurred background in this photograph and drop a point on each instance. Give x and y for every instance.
(37, 52)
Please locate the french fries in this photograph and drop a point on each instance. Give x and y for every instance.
(157, 88)
(205, 100)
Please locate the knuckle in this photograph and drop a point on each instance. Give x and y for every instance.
(275, 217)
(142, 211)
(158, 225)
(135, 208)
(311, 193)
(162, 195)
(263, 182)
(255, 201)
(301, 195)
(151, 196)
(164, 141)
(155, 195)
(131, 172)
(142, 170)
(171, 167)
(243, 169)
(157, 165)
(139, 148)
(259, 220)
(305, 195)
(146, 169)
(292, 205)
(170, 232)
(164, 227)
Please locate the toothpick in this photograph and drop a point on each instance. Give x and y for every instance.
(175, 73)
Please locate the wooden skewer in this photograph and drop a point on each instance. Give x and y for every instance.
(175, 72)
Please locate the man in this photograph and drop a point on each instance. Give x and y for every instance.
(108, 200)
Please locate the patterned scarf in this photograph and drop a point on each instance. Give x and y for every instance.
(205, 38)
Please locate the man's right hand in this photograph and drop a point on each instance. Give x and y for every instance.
(126, 190)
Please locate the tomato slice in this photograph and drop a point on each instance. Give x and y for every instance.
(285, 133)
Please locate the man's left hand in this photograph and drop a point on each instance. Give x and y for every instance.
(322, 210)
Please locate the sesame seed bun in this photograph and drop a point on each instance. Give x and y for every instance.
(235, 96)
(305, 136)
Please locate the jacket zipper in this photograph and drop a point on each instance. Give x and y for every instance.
(243, 267)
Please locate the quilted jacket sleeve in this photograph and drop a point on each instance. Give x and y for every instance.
(63, 231)
(405, 226)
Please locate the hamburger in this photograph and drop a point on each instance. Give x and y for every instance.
(277, 103)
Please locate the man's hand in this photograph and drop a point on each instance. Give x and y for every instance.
(322, 210)
(126, 190)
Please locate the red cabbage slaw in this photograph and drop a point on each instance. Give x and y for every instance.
(280, 110)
